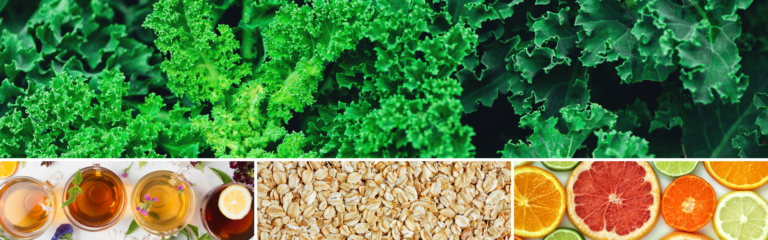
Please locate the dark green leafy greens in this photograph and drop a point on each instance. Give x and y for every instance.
(384, 78)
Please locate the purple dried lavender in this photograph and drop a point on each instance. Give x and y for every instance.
(64, 231)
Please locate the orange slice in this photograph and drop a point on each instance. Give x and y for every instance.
(685, 236)
(8, 168)
(738, 175)
(688, 203)
(539, 202)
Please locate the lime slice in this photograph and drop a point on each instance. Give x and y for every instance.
(523, 163)
(564, 234)
(675, 168)
(741, 215)
(561, 166)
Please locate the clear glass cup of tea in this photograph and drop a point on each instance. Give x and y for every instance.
(220, 227)
(102, 203)
(169, 202)
(27, 206)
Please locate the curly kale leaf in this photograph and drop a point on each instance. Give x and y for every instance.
(607, 36)
(761, 103)
(562, 86)
(16, 57)
(714, 63)
(708, 129)
(430, 126)
(707, 48)
(548, 142)
(475, 12)
(202, 65)
(633, 116)
(497, 77)
(615, 144)
(302, 39)
(257, 15)
(80, 39)
(243, 129)
(556, 27)
(407, 106)
(749, 146)
(530, 63)
(69, 119)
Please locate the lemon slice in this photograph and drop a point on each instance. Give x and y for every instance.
(235, 202)
(741, 215)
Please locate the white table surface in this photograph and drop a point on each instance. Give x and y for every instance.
(662, 228)
(204, 182)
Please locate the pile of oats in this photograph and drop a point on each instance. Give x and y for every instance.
(384, 200)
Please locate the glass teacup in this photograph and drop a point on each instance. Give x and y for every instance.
(220, 227)
(102, 203)
(172, 202)
(27, 206)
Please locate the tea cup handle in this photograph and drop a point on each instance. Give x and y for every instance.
(184, 170)
(54, 179)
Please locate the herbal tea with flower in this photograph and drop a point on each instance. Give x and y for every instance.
(27, 206)
(100, 202)
(144, 207)
(150, 207)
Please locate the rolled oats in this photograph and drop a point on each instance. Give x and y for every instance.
(462, 221)
(321, 174)
(447, 212)
(293, 210)
(495, 197)
(361, 228)
(384, 200)
(335, 199)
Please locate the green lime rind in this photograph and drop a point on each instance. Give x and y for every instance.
(561, 166)
(564, 233)
(675, 168)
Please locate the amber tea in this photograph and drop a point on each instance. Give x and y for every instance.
(222, 227)
(27, 206)
(174, 201)
(101, 204)
(23, 211)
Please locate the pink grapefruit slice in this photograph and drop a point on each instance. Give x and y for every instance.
(608, 200)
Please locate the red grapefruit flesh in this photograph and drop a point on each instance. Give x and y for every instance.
(613, 200)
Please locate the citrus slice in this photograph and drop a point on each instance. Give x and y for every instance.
(741, 215)
(523, 163)
(539, 202)
(685, 236)
(738, 175)
(688, 203)
(560, 166)
(235, 202)
(8, 168)
(675, 168)
(613, 200)
(564, 234)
